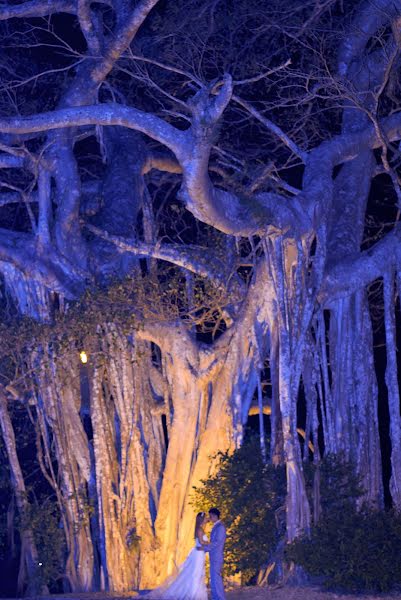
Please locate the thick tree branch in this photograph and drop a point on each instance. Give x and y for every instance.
(51, 270)
(87, 28)
(259, 214)
(318, 176)
(36, 8)
(82, 91)
(172, 337)
(247, 215)
(357, 272)
(122, 40)
(198, 260)
(102, 114)
(369, 18)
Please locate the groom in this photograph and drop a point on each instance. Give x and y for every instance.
(216, 553)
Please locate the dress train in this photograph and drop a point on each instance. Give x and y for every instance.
(189, 583)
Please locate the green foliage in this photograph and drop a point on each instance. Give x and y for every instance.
(43, 519)
(353, 550)
(124, 303)
(248, 494)
(356, 551)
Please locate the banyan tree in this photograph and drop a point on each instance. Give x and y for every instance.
(189, 196)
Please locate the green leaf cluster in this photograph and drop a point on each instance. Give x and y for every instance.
(44, 521)
(354, 550)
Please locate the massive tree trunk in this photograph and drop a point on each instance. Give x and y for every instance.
(113, 440)
(210, 391)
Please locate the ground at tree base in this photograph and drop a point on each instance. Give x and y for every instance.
(248, 593)
(301, 593)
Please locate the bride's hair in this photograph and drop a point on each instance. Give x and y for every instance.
(198, 521)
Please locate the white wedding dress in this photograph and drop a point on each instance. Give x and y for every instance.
(189, 583)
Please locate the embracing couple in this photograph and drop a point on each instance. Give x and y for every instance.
(189, 583)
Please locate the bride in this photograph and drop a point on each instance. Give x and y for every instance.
(189, 583)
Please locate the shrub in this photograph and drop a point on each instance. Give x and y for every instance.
(354, 550)
(357, 551)
(43, 519)
(249, 494)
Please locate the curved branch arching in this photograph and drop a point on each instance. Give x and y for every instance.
(272, 210)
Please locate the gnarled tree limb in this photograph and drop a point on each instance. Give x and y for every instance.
(359, 270)
(201, 261)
